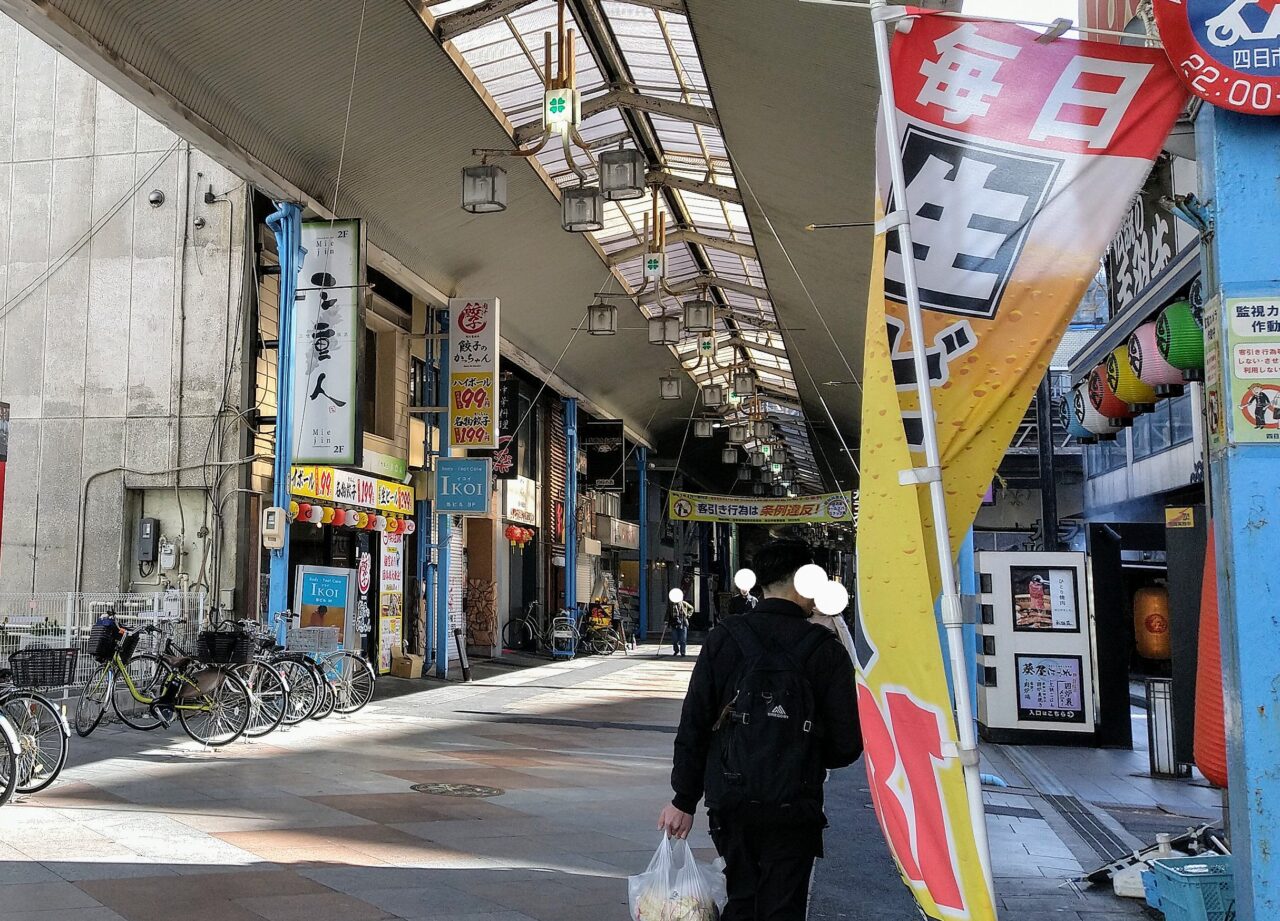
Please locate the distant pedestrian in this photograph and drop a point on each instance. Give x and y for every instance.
(678, 620)
(771, 706)
(742, 603)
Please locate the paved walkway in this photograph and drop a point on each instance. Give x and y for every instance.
(320, 823)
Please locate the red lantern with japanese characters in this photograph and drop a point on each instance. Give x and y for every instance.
(512, 534)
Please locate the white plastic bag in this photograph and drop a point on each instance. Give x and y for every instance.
(673, 888)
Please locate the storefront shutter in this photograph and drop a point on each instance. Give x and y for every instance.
(558, 459)
(457, 585)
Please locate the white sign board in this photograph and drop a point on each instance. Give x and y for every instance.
(326, 344)
(473, 372)
(522, 501)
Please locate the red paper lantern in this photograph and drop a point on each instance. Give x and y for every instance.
(1104, 398)
(304, 511)
(339, 517)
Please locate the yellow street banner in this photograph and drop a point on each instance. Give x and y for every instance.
(1020, 159)
(825, 509)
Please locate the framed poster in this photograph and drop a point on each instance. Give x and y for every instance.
(1050, 688)
(325, 596)
(390, 599)
(1044, 599)
(605, 443)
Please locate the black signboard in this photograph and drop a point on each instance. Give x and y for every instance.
(504, 459)
(4, 432)
(605, 445)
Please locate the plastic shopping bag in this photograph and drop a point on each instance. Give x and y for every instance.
(673, 888)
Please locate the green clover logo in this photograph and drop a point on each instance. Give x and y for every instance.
(652, 265)
(556, 105)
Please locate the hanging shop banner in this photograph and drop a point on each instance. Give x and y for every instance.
(463, 485)
(342, 487)
(473, 372)
(390, 600)
(4, 457)
(824, 509)
(1226, 51)
(1021, 159)
(326, 344)
(504, 459)
(605, 444)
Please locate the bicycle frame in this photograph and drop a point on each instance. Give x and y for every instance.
(118, 668)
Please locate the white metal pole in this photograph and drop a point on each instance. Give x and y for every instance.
(883, 17)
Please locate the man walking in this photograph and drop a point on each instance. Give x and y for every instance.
(742, 603)
(771, 706)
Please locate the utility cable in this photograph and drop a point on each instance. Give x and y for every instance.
(346, 124)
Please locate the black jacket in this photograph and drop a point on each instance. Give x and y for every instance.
(830, 674)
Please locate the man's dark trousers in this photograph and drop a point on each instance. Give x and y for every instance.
(767, 870)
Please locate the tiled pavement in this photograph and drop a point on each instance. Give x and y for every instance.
(320, 824)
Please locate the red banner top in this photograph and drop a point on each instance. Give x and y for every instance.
(994, 80)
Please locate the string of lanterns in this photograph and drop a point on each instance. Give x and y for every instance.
(517, 535)
(320, 515)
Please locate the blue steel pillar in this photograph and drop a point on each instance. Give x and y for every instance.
(286, 223)
(571, 504)
(642, 468)
(1240, 181)
(425, 563)
(444, 526)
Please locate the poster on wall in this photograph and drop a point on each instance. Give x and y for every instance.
(473, 372)
(390, 599)
(326, 344)
(1050, 688)
(1044, 599)
(325, 597)
(1250, 374)
(604, 441)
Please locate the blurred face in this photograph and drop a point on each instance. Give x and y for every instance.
(786, 590)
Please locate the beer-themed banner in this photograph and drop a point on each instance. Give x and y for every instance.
(346, 488)
(326, 344)
(473, 372)
(824, 509)
(604, 442)
(1020, 159)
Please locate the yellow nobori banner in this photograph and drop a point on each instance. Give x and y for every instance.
(1017, 177)
(829, 508)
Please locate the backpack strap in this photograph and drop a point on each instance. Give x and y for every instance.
(749, 643)
(811, 641)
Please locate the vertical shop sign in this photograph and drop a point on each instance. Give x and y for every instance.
(327, 337)
(1145, 245)
(506, 457)
(390, 599)
(604, 442)
(473, 372)
(1019, 160)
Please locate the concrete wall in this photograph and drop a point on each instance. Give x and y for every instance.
(116, 322)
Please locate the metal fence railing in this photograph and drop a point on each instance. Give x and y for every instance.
(65, 619)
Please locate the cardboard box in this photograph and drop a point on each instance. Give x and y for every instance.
(404, 665)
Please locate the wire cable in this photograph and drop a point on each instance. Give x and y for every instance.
(346, 124)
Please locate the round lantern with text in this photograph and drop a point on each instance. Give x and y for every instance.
(1180, 338)
(1075, 428)
(1104, 399)
(326, 515)
(339, 517)
(293, 508)
(1104, 428)
(410, 527)
(1126, 385)
(1150, 365)
(380, 523)
(1224, 51)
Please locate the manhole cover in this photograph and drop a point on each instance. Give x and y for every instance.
(456, 789)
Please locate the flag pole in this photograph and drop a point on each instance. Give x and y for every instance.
(883, 19)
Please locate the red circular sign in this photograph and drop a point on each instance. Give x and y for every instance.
(1227, 52)
(471, 319)
(366, 572)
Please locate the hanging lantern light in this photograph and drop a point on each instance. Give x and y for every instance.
(669, 387)
(1150, 365)
(1104, 398)
(1180, 338)
(484, 189)
(1125, 384)
(326, 515)
(779, 491)
(699, 315)
(744, 383)
(762, 430)
(703, 428)
(744, 472)
(581, 209)
(664, 330)
(602, 319)
(789, 471)
(757, 489)
(713, 395)
(729, 455)
(380, 523)
(512, 534)
(758, 459)
(339, 517)
(317, 514)
(1102, 427)
(293, 509)
(738, 433)
(622, 174)
(1075, 428)
(304, 512)
(410, 527)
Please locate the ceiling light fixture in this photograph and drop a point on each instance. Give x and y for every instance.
(602, 319)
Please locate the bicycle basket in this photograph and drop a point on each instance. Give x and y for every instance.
(103, 640)
(41, 667)
(128, 644)
(225, 647)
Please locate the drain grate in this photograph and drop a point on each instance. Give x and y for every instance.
(470, 790)
(1098, 836)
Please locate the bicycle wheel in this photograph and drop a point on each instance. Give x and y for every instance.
(95, 697)
(269, 695)
(150, 675)
(352, 678)
(304, 690)
(328, 700)
(219, 713)
(8, 761)
(517, 634)
(42, 739)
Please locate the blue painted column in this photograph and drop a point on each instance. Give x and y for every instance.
(571, 504)
(286, 223)
(1240, 181)
(642, 470)
(444, 525)
(969, 587)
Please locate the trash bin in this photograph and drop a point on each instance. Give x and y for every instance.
(1164, 763)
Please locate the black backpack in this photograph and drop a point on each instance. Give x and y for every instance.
(765, 754)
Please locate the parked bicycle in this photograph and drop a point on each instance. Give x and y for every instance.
(212, 703)
(40, 728)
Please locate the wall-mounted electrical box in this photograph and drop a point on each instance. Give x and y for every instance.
(148, 540)
(274, 522)
(168, 555)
